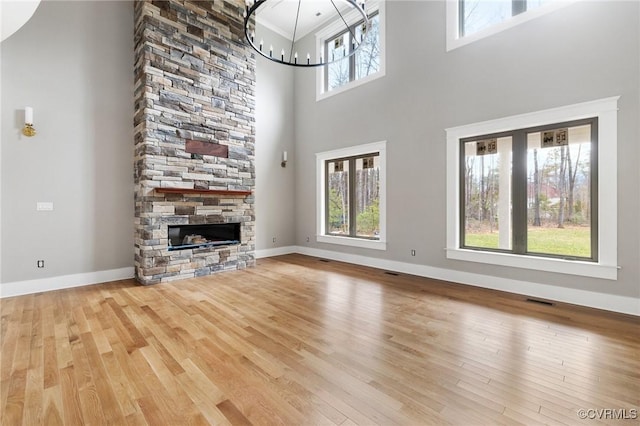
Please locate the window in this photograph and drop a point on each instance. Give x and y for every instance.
(525, 191)
(471, 20)
(531, 191)
(476, 15)
(351, 196)
(365, 62)
(335, 42)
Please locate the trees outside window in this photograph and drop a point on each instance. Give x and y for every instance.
(532, 191)
(364, 62)
(353, 196)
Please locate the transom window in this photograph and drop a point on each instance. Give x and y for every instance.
(476, 15)
(366, 60)
(532, 191)
(472, 20)
(334, 42)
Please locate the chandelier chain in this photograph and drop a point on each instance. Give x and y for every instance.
(353, 36)
(295, 29)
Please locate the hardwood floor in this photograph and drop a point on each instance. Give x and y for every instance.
(300, 341)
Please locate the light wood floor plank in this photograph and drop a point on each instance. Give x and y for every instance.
(72, 413)
(301, 341)
(8, 345)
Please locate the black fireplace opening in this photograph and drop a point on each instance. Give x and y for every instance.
(182, 237)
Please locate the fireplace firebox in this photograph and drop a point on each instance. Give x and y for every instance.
(183, 237)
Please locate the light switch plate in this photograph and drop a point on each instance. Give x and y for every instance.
(44, 206)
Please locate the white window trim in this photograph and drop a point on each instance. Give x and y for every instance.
(606, 110)
(453, 25)
(331, 30)
(321, 157)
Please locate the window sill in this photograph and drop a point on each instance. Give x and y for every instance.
(571, 267)
(351, 85)
(353, 242)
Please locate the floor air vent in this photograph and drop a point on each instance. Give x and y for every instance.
(540, 302)
(324, 260)
(395, 274)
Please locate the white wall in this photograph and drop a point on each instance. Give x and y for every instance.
(73, 63)
(583, 52)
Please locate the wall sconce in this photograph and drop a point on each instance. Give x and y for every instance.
(28, 129)
(284, 159)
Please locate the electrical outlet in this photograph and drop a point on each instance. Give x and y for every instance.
(307, 239)
(413, 252)
(274, 239)
(40, 263)
(44, 206)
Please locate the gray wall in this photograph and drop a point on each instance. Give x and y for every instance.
(275, 185)
(73, 63)
(583, 52)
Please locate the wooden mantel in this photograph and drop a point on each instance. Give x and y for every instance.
(201, 191)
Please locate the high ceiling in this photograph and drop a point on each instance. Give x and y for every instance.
(280, 15)
(14, 14)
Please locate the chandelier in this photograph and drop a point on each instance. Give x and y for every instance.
(299, 17)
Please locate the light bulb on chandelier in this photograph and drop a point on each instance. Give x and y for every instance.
(349, 11)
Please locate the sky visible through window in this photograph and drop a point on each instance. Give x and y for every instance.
(481, 14)
(367, 57)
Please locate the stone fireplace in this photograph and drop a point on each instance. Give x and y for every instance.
(194, 140)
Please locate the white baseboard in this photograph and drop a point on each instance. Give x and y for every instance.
(276, 251)
(608, 302)
(19, 288)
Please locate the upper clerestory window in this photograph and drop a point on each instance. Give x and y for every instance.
(472, 20)
(335, 42)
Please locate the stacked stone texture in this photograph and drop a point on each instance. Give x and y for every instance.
(194, 80)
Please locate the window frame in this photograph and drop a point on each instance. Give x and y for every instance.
(517, 7)
(352, 59)
(605, 267)
(456, 39)
(352, 194)
(359, 151)
(375, 7)
(519, 220)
